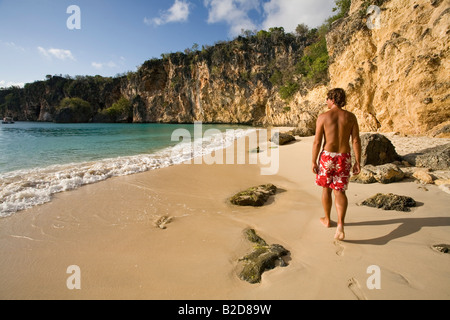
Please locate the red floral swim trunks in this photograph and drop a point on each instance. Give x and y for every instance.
(334, 172)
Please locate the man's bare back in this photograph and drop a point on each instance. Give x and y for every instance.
(335, 128)
(338, 125)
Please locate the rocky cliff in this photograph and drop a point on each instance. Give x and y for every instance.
(397, 75)
(236, 82)
(228, 83)
(42, 100)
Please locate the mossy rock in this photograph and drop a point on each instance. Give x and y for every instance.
(390, 202)
(254, 196)
(263, 257)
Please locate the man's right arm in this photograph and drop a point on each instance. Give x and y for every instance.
(356, 141)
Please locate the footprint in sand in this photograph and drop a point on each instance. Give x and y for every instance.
(339, 248)
(355, 288)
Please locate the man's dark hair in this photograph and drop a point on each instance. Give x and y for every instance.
(338, 96)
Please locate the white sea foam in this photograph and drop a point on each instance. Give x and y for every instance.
(23, 189)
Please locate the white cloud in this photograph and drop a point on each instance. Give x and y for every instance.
(99, 65)
(7, 84)
(274, 13)
(233, 12)
(60, 54)
(179, 12)
(290, 13)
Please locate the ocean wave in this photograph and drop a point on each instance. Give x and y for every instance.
(24, 189)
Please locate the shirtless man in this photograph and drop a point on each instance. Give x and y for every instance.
(336, 127)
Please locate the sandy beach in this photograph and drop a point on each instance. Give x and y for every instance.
(108, 230)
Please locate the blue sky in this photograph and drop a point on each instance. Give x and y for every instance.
(118, 36)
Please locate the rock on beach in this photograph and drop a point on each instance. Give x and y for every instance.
(254, 196)
(263, 257)
(390, 202)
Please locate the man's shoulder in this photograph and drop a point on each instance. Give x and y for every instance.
(351, 114)
(324, 115)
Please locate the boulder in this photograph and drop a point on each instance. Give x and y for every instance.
(390, 202)
(302, 132)
(263, 257)
(255, 196)
(441, 131)
(387, 173)
(376, 150)
(281, 138)
(366, 176)
(440, 182)
(306, 126)
(423, 177)
(437, 158)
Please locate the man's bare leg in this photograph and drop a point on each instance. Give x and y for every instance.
(341, 208)
(327, 202)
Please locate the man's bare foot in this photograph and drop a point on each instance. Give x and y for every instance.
(340, 235)
(326, 222)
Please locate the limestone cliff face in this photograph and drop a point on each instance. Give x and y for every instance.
(230, 87)
(397, 76)
(39, 101)
(230, 82)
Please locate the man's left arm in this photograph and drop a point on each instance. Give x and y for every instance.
(356, 141)
(317, 145)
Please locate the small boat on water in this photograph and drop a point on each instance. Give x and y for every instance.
(7, 120)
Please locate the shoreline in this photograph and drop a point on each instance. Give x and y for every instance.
(25, 188)
(108, 230)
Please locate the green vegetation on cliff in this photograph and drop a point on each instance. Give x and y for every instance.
(120, 111)
(314, 63)
(73, 110)
(74, 104)
(45, 100)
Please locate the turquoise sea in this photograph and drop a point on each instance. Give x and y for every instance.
(38, 160)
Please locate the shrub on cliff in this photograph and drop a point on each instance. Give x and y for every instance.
(342, 8)
(119, 111)
(314, 64)
(287, 91)
(73, 110)
(10, 100)
(76, 104)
